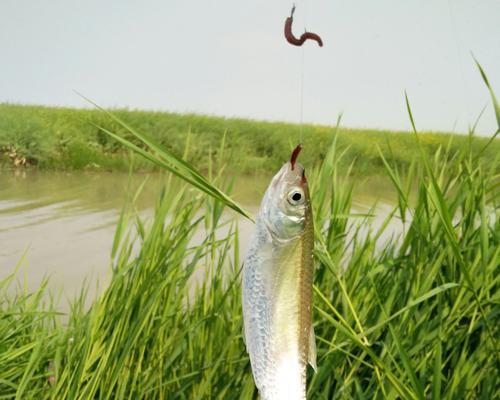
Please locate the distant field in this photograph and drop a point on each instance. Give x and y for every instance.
(64, 139)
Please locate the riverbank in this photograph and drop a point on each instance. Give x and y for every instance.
(65, 139)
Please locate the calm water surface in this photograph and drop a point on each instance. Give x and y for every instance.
(61, 225)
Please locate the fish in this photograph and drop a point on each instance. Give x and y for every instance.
(277, 287)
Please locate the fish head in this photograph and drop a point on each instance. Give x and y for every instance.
(287, 201)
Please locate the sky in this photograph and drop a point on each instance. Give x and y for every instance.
(230, 58)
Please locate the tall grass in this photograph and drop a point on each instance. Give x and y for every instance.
(413, 318)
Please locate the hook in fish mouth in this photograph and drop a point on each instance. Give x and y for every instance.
(295, 155)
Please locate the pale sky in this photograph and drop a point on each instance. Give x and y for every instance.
(229, 57)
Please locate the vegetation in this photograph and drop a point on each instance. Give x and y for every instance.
(414, 318)
(68, 139)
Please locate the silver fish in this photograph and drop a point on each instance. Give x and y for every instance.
(277, 287)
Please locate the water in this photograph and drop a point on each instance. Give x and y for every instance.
(61, 225)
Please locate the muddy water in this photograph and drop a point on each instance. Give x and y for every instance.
(61, 225)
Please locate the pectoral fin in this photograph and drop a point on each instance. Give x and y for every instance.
(311, 355)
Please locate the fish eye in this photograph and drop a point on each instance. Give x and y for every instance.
(296, 197)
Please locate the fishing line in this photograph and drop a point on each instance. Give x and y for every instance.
(302, 75)
(301, 125)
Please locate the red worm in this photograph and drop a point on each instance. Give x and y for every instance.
(295, 154)
(290, 38)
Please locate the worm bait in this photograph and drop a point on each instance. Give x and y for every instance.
(290, 38)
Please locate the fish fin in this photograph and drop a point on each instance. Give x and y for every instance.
(311, 355)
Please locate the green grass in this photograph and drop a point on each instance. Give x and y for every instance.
(414, 318)
(67, 139)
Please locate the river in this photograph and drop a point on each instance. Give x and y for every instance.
(61, 225)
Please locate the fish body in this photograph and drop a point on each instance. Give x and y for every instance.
(277, 288)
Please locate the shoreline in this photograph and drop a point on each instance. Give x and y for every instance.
(67, 139)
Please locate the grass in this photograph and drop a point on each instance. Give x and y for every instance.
(68, 139)
(413, 317)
